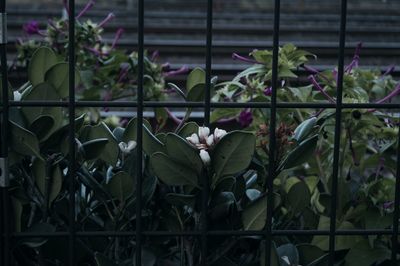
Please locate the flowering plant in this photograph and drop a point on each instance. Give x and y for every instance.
(107, 72)
(179, 164)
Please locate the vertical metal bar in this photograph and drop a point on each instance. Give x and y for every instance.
(139, 132)
(338, 123)
(396, 214)
(71, 133)
(5, 230)
(207, 110)
(272, 139)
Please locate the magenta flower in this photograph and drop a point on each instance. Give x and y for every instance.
(318, 87)
(245, 118)
(390, 70)
(110, 17)
(356, 59)
(182, 70)
(118, 35)
(32, 27)
(88, 6)
(268, 91)
(235, 56)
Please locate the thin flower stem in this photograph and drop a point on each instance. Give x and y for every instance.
(318, 87)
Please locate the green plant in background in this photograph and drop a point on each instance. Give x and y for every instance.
(107, 72)
(235, 163)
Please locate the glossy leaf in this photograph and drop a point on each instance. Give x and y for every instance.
(58, 77)
(232, 153)
(42, 60)
(121, 186)
(171, 172)
(180, 151)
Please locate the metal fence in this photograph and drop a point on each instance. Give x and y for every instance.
(140, 104)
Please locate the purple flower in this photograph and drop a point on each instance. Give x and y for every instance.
(32, 27)
(235, 56)
(388, 205)
(389, 71)
(182, 70)
(318, 87)
(268, 91)
(356, 59)
(118, 35)
(245, 118)
(155, 55)
(88, 6)
(394, 93)
(106, 20)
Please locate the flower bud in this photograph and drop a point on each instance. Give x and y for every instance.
(219, 134)
(205, 157)
(193, 139)
(126, 148)
(210, 140)
(204, 132)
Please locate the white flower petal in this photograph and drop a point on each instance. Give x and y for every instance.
(131, 145)
(204, 132)
(205, 157)
(210, 140)
(219, 133)
(194, 139)
(17, 96)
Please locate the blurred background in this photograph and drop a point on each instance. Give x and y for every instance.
(176, 29)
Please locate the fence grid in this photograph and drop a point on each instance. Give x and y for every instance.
(140, 104)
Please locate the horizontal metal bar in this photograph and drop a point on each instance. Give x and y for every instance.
(210, 233)
(280, 105)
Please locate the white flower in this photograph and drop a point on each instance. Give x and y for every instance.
(219, 134)
(17, 96)
(205, 157)
(204, 132)
(127, 148)
(210, 140)
(194, 139)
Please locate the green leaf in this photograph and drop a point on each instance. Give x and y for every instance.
(58, 77)
(232, 154)
(42, 126)
(24, 141)
(289, 251)
(42, 92)
(363, 254)
(150, 143)
(254, 215)
(42, 60)
(300, 154)
(196, 76)
(17, 210)
(298, 194)
(121, 186)
(182, 152)
(341, 242)
(304, 129)
(55, 181)
(221, 204)
(171, 172)
(309, 253)
(92, 149)
(188, 129)
(218, 114)
(101, 131)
